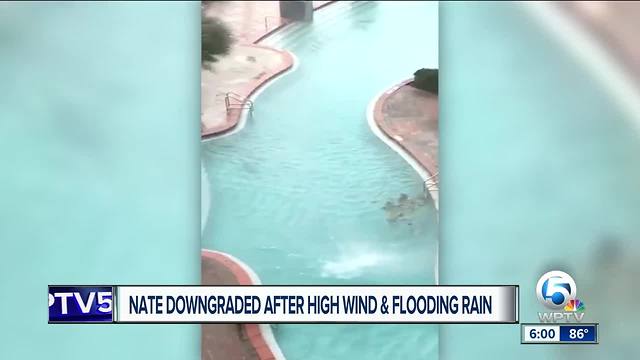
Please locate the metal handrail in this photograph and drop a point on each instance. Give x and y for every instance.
(242, 102)
(432, 182)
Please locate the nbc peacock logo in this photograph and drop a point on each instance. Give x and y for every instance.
(574, 305)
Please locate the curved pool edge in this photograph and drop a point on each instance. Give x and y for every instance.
(260, 335)
(235, 116)
(205, 197)
(374, 118)
(238, 116)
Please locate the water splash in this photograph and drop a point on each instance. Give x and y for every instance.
(356, 259)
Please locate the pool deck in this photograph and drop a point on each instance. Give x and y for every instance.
(242, 72)
(409, 117)
(234, 341)
(223, 341)
(248, 66)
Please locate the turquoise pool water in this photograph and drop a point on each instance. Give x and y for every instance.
(298, 193)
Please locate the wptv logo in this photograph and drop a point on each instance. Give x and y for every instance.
(557, 291)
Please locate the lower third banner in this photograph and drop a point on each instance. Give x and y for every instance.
(285, 304)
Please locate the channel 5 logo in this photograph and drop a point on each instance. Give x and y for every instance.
(557, 290)
(80, 304)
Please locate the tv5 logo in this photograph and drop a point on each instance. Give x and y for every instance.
(80, 304)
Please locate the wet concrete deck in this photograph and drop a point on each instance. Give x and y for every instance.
(245, 69)
(223, 341)
(409, 116)
(247, 66)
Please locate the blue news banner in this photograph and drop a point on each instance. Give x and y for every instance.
(578, 333)
(284, 304)
(82, 304)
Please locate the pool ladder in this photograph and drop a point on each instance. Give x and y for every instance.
(235, 101)
(431, 184)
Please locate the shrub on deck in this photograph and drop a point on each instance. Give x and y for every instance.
(426, 79)
(216, 40)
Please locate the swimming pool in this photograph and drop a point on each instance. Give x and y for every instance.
(298, 194)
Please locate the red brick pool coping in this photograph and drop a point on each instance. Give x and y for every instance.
(234, 115)
(260, 336)
(427, 162)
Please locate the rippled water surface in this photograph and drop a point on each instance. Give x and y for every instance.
(298, 194)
